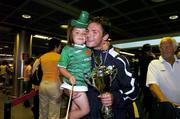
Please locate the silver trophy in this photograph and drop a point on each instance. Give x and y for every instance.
(102, 77)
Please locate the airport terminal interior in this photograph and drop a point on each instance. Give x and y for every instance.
(26, 26)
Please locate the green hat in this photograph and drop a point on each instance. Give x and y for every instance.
(82, 22)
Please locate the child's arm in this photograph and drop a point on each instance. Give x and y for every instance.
(68, 75)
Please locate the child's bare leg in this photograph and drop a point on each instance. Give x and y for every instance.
(74, 106)
(80, 107)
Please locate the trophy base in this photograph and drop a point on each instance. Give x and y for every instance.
(107, 112)
(107, 117)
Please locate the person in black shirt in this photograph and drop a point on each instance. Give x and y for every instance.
(144, 59)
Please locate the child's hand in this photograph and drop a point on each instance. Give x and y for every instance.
(72, 80)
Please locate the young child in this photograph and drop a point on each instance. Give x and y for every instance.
(75, 63)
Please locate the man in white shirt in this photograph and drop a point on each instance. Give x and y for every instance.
(163, 76)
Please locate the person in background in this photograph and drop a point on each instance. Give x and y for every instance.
(75, 63)
(177, 52)
(36, 73)
(178, 55)
(5, 75)
(144, 59)
(49, 92)
(27, 74)
(122, 87)
(27, 85)
(163, 80)
(35, 87)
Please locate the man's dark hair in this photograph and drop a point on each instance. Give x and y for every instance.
(53, 43)
(146, 47)
(29, 61)
(104, 22)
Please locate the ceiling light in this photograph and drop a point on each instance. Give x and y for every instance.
(173, 17)
(26, 16)
(1, 48)
(136, 44)
(6, 46)
(109, 39)
(158, 0)
(64, 26)
(42, 37)
(9, 55)
(64, 41)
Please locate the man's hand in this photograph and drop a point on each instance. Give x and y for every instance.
(106, 99)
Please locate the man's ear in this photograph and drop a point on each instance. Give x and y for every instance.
(105, 37)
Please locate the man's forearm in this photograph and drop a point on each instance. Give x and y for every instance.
(158, 93)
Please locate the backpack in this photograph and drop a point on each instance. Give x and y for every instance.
(37, 73)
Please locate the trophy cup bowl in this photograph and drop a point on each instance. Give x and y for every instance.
(99, 74)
